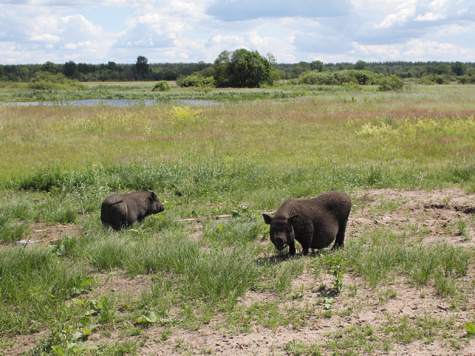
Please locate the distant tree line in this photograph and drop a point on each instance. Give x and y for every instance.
(438, 72)
(84, 72)
(243, 68)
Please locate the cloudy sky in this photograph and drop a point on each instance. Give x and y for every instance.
(86, 31)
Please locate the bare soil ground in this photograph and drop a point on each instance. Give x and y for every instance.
(376, 321)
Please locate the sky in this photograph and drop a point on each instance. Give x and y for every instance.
(173, 31)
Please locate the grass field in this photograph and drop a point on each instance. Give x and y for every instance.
(202, 277)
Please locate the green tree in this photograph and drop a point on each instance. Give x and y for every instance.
(300, 67)
(112, 66)
(439, 69)
(24, 74)
(458, 68)
(360, 65)
(70, 70)
(221, 69)
(49, 67)
(242, 69)
(141, 68)
(317, 65)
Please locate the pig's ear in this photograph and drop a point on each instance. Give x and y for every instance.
(153, 196)
(267, 219)
(293, 219)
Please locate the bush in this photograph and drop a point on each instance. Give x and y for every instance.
(392, 82)
(433, 79)
(317, 78)
(162, 86)
(360, 77)
(195, 80)
(49, 81)
(466, 80)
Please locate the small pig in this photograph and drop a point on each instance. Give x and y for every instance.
(315, 223)
(120, 211)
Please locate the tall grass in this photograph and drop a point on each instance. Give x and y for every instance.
(208, 274)
(376, 140)
(33, 286)
(381, 262)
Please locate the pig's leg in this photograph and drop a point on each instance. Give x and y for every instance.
(340, 236)
(292, 248)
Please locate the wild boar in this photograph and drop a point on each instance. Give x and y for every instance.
(314, 223)
(120, 211)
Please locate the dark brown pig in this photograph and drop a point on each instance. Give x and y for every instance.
(120, 211)
(314, 223)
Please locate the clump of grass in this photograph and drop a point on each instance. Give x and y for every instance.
(298, 348)
(33, 286)
(12, 230)
(269, 314)
(421, 264)
(284, 274)
(15, 217)
(238, 231)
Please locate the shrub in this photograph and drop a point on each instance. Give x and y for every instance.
(360, 77)
(433, 79)
(317, 78)
(392, 82)
(49, 81)
(162, 86)
(195, 80)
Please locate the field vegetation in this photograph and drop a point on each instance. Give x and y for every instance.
(202, 277)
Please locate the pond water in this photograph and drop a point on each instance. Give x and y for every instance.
(110, 102)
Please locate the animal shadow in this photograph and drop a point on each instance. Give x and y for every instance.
(279, 258)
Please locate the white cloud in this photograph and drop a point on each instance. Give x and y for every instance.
(424, 50)
(48, 38)
(405, 11)
(223, 41)
(377, 52)
(429, 16)
(193, 30)
(76, 27)
(413, 50)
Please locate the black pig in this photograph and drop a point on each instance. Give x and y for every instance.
(314, 223)
(120, 211)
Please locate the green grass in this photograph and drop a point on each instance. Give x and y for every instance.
(57, 164)
(402, 141)
(34, 285)
(420, 264)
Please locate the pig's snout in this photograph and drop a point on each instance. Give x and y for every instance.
(279, 243)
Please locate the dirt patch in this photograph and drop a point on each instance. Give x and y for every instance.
(119, 284)
(397, 318)
(444, 216)
(50, 233)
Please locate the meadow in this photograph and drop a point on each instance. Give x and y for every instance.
(202, 277)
